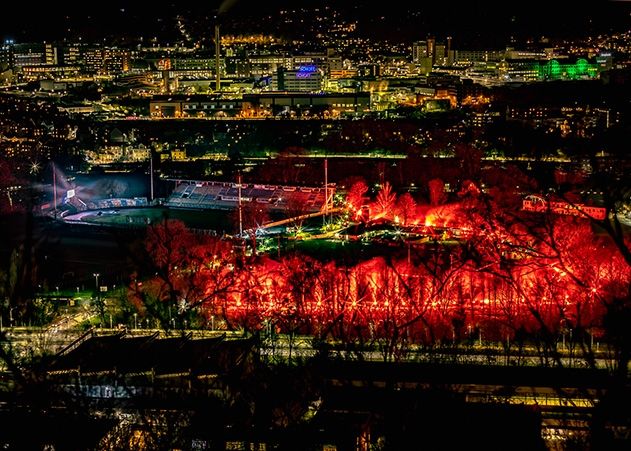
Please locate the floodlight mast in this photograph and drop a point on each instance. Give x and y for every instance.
(52, 165)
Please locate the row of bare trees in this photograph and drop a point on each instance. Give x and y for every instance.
(514, 275)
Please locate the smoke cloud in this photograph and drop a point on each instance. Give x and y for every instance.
(226, 5)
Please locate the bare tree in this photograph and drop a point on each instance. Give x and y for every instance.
(406, 208)
(356, 195)
(436, 192)
(188, 271)
(386, 199)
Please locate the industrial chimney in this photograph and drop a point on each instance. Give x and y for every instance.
(217, 53)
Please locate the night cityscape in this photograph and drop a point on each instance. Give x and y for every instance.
(331, 226)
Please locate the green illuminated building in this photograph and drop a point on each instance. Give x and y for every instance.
(555, 70)
(539, 70)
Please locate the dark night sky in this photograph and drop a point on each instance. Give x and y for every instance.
(475, 19)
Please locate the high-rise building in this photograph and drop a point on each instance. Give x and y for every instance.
(431, 48)
(419, 51)
(449, 54)
(107, 61)
(335, 64)
(6, 57)
(50, 52)
(440, 54)
(70, 55)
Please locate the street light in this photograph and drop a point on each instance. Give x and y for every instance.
(135, 321)
(96, 277)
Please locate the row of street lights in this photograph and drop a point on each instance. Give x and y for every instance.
(98, 293)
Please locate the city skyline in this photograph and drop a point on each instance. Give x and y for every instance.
(329, 226)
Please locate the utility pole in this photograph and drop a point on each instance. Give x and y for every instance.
(52, 165)
(151, 172)
(240, 208)
(326, 189)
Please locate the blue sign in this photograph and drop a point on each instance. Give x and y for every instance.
(306, 71)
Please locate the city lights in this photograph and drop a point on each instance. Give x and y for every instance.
(315, 225)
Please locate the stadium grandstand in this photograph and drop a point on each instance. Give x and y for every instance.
(225, 196)
(73, 204)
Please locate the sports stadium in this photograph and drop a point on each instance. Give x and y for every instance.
(225, 196)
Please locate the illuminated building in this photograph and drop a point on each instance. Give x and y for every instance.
(343, 73)
(484, 118)
(534, 70)
(419, 51)
(561, 207)
(178, 155)
(307, 78)
(512, 54)
(107, 61)
(194, 106)
(553, 70)
(430, 52)
(604, 61)
(70, 55)
(348, 103)
(369, 70)
(477, 56)
(201, 63)
(41, 54)
(32, 73)
(425, 94)
(310, 59)
(335, 64)
(431, 48)
(164, 65)
(28, 55)
(42, 61)
(423, 56)
(258, 105)
(51, 57)
(105, 155)
(519, 70)
(140, 153)
(337, 85)
(267, 64)
(449, 55)
(440, 54)
(6, 57)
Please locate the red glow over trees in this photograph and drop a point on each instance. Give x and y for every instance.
(405, 209)
(508, 274)
(436, 192)
(190, 272)
(356, 195)
(386, 199)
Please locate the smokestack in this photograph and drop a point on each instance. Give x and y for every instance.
(217, 52)
(448, 51)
